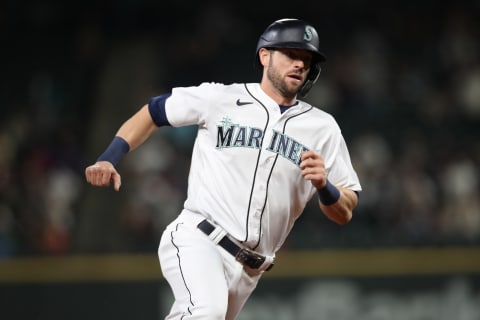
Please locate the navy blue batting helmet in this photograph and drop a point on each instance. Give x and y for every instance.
(294, 34)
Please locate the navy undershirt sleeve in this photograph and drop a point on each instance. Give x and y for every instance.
(156, 106)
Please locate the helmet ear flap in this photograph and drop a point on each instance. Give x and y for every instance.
(311, 79)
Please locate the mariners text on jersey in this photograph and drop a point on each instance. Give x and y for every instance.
(229, 136)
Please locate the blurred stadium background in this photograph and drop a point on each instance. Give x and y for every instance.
(402, 79)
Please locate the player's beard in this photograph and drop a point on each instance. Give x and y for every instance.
(280, 84)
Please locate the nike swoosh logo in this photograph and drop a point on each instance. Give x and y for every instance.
(242, 103)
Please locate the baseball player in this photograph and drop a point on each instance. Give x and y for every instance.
(259, 156)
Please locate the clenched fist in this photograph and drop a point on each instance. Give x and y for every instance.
(102, 173)
(313, 169)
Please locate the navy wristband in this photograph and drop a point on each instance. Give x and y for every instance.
(329, 194)
(115, 151)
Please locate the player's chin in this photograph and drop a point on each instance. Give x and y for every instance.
(294, 82)
(292, 90)
(294, 87)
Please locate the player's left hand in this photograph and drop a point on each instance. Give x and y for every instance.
(313, 168)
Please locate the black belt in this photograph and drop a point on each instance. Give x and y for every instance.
(244, 255)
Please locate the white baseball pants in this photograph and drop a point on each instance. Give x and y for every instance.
(207, 282)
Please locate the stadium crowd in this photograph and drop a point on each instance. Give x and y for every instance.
(402, 81)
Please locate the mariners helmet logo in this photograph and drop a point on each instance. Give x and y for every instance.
(308, 34)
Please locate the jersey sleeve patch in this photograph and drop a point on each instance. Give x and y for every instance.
(156, 107)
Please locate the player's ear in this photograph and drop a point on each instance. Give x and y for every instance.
(264, 56)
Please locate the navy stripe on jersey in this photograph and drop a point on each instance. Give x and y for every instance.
(256, 168)
(156, 106)
(270, 175)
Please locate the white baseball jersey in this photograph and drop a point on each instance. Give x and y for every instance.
(245, 173)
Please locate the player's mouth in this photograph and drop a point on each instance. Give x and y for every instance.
(295, 76)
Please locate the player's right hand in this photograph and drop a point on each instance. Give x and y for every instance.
(102, 173)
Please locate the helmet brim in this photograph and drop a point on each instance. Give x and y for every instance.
(318, 55)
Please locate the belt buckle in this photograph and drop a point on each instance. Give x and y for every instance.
(250, 258)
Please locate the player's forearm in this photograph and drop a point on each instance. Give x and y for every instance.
(341, 211)
(138, 128)
(131, 134)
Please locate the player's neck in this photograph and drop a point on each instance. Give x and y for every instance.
(280, 99)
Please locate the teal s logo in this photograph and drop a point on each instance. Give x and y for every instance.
(308, 34)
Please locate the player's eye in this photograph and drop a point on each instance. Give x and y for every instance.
(304, 56)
